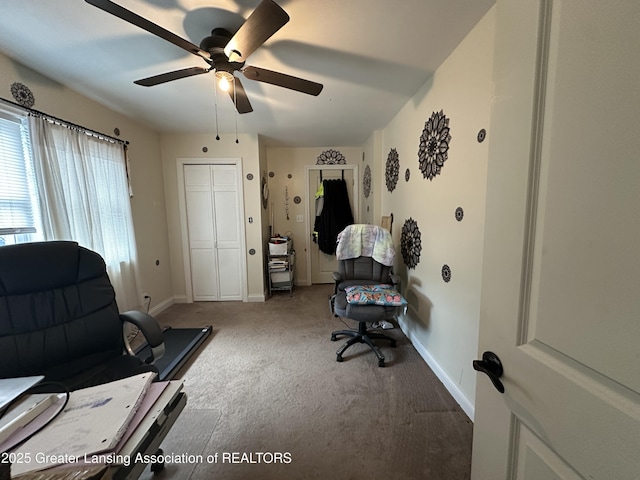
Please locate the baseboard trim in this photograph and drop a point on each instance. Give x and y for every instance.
(458, 395)
(180, 299)
(255, 298)
(162, 306)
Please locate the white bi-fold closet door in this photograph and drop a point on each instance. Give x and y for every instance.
(213, 217)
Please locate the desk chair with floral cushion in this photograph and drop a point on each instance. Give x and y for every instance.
(366, 291)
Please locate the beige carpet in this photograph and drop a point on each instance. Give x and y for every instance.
(266, 384)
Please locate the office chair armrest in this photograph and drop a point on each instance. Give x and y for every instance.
(150, 330)
(396, 281)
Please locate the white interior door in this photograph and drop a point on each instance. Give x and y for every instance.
(323, 264)
(201, 232)
(561, 271)
(227, 222)
(214, 231)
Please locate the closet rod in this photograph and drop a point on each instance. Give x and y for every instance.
(66, 123)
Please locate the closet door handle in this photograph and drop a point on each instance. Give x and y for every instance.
(492, 367)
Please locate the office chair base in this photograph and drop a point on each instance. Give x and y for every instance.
(362, 336)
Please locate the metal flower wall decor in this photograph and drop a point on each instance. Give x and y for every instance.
(331, 157)
(446, 273)
(434, 145)
(22, 94)
(392, 169)
(410, 243)
(366, 181)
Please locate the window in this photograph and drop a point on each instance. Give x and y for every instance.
(61, 183)
(19, 210)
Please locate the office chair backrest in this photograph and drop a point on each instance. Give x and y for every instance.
(57, 310)
(365, 252)
(364, 268)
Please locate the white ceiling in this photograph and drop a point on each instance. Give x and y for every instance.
(371, 55)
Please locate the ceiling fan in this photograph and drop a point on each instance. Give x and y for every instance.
(224, 53)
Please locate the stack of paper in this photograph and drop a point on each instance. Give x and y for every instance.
(93, 421)
(278, 265)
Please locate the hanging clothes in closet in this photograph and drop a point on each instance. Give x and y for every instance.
(319, 205)
(336, 214)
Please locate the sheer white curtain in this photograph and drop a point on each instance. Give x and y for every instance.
(84, 196)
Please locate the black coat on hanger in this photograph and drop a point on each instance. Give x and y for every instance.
(336, 214)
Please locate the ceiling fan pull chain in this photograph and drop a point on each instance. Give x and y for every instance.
(215, 100)
(235, 104)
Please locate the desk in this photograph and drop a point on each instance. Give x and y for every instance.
(145, 440)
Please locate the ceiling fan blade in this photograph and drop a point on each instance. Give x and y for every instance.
(240, 98)
(170, 76)
(135, 19)
(283, 80)
(264, 21)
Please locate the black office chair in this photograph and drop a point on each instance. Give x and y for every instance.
(59, 318)
(358, 268)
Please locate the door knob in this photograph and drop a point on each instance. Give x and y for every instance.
(491, 366)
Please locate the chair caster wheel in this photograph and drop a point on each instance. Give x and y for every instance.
(338, 358)
(158, 466)
(381, 363)
(333, 338)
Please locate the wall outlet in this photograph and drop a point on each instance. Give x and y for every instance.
(146, 296)
(299, 218)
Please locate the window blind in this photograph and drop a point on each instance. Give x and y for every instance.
(17, 182)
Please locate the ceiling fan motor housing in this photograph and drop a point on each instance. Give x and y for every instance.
(217, 41)
(215, 44)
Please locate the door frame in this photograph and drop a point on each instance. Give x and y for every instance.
(184, 233)
(355, 204)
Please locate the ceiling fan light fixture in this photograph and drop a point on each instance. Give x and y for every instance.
(225, 80)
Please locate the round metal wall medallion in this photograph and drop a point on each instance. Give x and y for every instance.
(434, 145)
(297, 199)
(482, 134)
(249, 176)
(446, 273)
(22, 94)
(392, 169)
(459, 214)
(410, 243)
(264, 191)
(366, 181)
